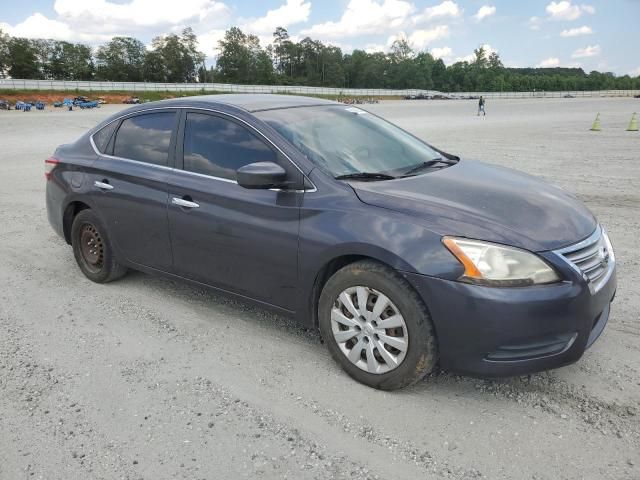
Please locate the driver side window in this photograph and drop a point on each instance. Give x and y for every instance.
(217, 147)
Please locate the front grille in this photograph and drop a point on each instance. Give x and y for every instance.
(592, 258)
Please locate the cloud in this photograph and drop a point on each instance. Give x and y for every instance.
(635, 72)
(292, 12)
(375, 48)
(208, 42)
(589, 51)
(39, 26)
(534, 23)
(488, 50)
(443, 10)
(564, 10)
(363, 17)
(576, 32)
(445, 53)
(484, 12)
(419, 39)
(549, 62)
(140, 15)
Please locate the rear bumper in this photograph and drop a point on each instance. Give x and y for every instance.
(498, 332)
(54, 199)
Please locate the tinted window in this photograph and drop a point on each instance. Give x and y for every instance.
(145, 138)
(218, 147)
(101, 137)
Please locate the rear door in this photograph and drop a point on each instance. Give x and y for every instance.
(129, 182)
(241, 240)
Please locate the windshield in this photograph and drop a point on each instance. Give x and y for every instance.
(344, 140)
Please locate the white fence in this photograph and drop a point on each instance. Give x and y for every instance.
(15, 84)
(133, 87)
(544, 94)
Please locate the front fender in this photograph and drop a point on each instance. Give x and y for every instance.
(341, 225)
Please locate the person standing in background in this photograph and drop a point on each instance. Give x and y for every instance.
(481, 106)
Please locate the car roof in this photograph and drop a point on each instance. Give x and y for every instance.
(249, 101)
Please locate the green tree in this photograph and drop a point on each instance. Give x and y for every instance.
(153, 67)
(234, 63)
(176, 58)
(242, 60)
(4, 53)
(179, 55)
(121, 60)
(23, 59)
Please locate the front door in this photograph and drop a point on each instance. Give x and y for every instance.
(241, 240)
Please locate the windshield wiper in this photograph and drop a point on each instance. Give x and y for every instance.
(365, 176)
(428, 164)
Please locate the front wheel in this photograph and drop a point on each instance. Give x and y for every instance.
(376, 326)
(93, 250)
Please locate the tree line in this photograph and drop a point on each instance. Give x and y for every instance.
(171, 58)
(241, 59)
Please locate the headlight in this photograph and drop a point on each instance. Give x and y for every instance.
(607, 244)
(497, 265)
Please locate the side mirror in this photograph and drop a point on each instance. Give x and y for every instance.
(261, 175)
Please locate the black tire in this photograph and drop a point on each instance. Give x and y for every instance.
(421, 355)
(95, 257)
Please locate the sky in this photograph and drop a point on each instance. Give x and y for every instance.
(595, 35)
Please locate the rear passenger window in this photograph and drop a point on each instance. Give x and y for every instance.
(101, 137)
(145, 138)
(218, 147)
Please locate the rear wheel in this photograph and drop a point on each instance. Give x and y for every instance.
(92, 249)
(376, 326)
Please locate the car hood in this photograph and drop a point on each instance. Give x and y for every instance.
(477, 200)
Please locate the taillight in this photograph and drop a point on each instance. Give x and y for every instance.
(49, 164)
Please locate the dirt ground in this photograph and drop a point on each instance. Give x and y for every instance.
(149, 378)
(50, 97)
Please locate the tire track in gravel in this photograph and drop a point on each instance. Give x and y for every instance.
(133, 311)
(315, 456)
(406, 450)
(33, 390)
(542, 391)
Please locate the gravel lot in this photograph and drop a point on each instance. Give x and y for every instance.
(155, 379)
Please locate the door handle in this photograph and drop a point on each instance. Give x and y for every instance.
(102, 185)
(181, 202)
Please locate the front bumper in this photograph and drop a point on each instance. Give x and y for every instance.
(497, 332)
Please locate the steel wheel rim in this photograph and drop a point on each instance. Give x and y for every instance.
(369, 329)
(91, 247)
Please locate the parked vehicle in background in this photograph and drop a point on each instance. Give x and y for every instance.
(89, 104)
(401, 254)
(5, 105)
(57, 104)
(40, 105)
(24, 106)
(101, 100)
(131, 100)
(358, 101)
(80, 99)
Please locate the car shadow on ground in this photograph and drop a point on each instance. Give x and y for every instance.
(439, 382)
